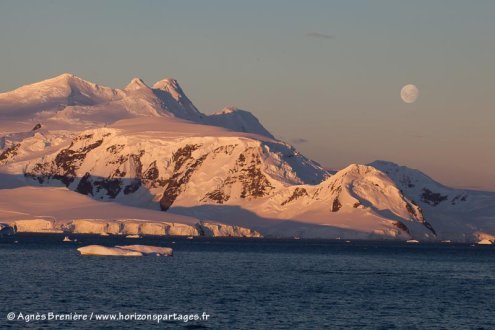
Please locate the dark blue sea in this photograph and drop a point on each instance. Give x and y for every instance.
(249, 284)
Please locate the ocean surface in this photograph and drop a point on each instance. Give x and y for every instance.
(250, 284)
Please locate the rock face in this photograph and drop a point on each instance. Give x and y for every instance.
(150, 147)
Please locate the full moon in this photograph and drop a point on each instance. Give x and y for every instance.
(409, 93)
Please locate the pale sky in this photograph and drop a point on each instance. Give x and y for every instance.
(323, 75)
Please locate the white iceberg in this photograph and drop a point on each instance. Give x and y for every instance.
(98, 250)
(412, 241)
(148, 249)
(485, 242)
(125, 250)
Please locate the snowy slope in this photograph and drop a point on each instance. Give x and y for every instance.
(149, 152)
(457, 214)
(69, 102)
(237, 120)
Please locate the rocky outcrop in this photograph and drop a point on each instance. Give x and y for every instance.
(184, 167)
(432, 198)
(9, 153)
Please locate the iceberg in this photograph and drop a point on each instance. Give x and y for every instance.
(125, 250)
(485, 242)
(148, 249)
(98, 250)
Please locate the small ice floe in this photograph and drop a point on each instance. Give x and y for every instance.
(412, 241)
(347, 241)
(297, 237)
(133, 236)
(148, 249)
(67, 239)
(125, 250)
(485, 242)
(104, 234)
(447, 241)
(190, 237)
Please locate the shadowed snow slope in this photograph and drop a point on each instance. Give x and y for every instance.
(79, 157)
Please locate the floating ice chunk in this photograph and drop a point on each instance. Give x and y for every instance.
(412, 241)
(98, 250)
(147, 249)
(485, 242)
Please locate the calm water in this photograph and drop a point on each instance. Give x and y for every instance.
(253, 284)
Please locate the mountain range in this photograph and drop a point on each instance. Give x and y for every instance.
(143, 156)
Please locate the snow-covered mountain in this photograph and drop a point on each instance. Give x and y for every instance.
(149, 148)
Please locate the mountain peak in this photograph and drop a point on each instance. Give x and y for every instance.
(65, 75)
(135, 84)
(238, 120)
(62, 79)
(167, 84)
(229, 109)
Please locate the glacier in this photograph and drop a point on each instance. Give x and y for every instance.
(77, 157)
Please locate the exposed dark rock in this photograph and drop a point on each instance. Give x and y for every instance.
(184, 167)
(151, 177)
(138, 165)
(36, 127)
(69, 160)
(430, 227)
(83, 137)
(112, 186)
(298, 192)
(336, 205)
(85, 186)
(411, 210)
(132, 187)
(241, 160)
(119, 174)
(152, 173)
(432, 198)
(401, 226)
(255, 183)
(182, 155)
(356, 205)
(217, 196)
(228, 149)
(458, 198)
(115, 149)
(9, 152)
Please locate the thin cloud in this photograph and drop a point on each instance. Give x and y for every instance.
(299, 140)
(319, 35)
